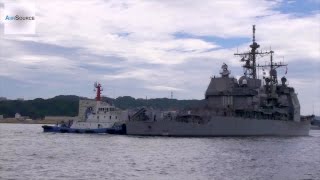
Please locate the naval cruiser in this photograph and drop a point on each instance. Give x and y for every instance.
(247, 106)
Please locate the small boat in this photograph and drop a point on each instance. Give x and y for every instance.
(95, 116)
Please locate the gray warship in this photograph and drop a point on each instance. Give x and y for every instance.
(247, 106)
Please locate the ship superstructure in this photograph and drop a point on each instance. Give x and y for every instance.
(95, 116)
(247, 97)
(237, 107)
(100, 115)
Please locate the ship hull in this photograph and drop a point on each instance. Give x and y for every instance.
(56, 129)
(219, 126)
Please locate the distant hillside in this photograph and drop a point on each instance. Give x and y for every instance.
(127, 102)
(38, 108)
(68, 105)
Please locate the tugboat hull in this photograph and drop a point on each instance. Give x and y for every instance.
(56, 129)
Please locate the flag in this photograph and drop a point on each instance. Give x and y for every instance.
(286, 69)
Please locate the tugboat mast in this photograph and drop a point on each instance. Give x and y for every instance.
(250, 57)
(98, 88)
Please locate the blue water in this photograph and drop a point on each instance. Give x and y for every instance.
(28, 153)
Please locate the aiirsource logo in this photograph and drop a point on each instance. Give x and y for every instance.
(19, 18)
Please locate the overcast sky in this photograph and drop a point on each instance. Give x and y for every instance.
(150, 48)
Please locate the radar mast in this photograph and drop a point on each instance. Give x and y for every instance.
(273, 79)
(250, 57)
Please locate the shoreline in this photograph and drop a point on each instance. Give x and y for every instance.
(18, 121)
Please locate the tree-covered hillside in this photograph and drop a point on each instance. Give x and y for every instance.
(68, 105)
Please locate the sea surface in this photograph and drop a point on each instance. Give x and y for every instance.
(28, 153)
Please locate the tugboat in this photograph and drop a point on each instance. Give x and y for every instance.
(95, 116)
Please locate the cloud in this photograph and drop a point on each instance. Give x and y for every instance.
(164, 88)
(136, 43)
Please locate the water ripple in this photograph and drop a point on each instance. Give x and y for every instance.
(27, 153)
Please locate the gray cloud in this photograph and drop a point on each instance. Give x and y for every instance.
(130, 47)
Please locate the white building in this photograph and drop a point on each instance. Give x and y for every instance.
(17, 116)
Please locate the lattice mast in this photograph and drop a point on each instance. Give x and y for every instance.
(250, 57)
(272, 66)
